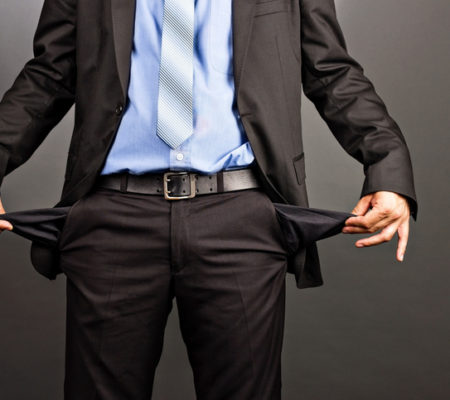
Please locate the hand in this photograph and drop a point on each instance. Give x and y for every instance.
(383, 210)
(4, 224)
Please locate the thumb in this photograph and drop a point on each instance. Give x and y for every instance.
(363, 205)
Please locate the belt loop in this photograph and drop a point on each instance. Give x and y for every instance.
(124, 182)
(220, 187)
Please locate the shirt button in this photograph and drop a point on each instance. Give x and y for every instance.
(119, 109)
(180, 156)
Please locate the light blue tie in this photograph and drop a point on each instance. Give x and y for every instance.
(175, 115)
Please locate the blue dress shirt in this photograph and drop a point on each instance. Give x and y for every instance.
(219, 141)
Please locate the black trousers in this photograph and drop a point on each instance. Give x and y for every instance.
(126, 256)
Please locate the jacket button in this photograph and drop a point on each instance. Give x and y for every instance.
(119, 109)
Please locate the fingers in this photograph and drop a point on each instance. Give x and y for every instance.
(363, 205)
(384, 236)
(5, 225)
(403, 234)
(402, 229)
(370, 229)
(369, 223)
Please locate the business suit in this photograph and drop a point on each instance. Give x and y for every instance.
(82, 54)
(278, 46)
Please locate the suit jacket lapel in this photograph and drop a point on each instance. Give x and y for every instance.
(123, 12)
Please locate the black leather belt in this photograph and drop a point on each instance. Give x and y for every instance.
(178, 185)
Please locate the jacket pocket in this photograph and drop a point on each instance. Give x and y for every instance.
(264, 7)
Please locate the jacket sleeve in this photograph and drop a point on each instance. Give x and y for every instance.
(348, 103)
(44, 90)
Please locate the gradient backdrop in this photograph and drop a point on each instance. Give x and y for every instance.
(377, 329)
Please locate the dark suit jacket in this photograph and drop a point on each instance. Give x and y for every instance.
(82, 55)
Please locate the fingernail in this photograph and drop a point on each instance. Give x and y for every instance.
(359, 245)
(401, 257)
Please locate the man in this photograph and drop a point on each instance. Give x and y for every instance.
(187, 128)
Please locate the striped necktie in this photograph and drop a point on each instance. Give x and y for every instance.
(175, 114)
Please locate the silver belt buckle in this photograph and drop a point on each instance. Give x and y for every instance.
(166, 181)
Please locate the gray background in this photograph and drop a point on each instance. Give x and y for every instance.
(377, 329)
